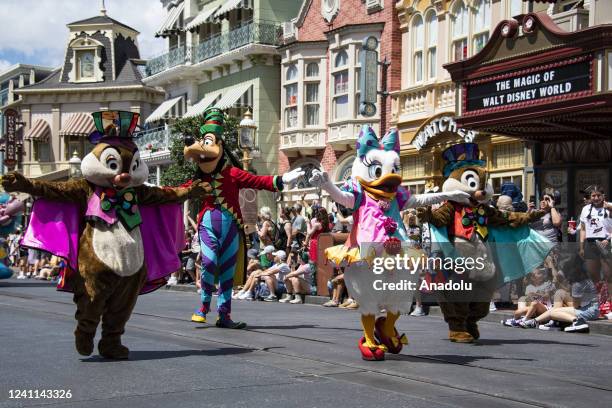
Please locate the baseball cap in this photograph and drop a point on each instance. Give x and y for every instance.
(252, 253)
(267, 250)
(281, 254)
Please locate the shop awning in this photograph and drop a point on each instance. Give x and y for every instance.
(171, 21)
(204, 16)
(162, 109)
(231, 5)
(40, 131)
(230, 96)
(202, 104)
(78, 124)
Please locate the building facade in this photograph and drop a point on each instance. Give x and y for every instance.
(320, 81)
(12, 78)
(220, 53)
(546, 78)
(424, 110)
(101, 71)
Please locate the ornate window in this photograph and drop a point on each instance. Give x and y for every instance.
(86, 59)
(312, 70)
(42, 151)
(291, 97)
(340, 85)
(432, 41)
(85, 64)
(413, 166)
(312, 104)
(460, 31)
(419, 43)
(482, 24)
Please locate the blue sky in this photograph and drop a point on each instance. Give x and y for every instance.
(40, 35)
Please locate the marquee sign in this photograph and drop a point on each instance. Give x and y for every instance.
(533, 86)
(10, 147)
(438, 125)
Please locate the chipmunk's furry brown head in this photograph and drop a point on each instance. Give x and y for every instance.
(465, 171)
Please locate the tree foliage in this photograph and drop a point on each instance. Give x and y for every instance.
(180, 170)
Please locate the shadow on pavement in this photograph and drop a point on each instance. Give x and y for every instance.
(500, 342)
(145, 355)
(17, 284)
(447, 358)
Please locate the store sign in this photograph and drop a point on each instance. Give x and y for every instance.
(10, 132)
(540, 84)
(440, 125)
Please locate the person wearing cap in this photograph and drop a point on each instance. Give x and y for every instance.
(275, 275)
(298, 282)
(265, 261)
(220, 223)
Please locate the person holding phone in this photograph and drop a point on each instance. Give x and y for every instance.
(594, 232)
(549, 225)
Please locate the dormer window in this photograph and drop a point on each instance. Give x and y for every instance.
(85, 65)
(86, 60)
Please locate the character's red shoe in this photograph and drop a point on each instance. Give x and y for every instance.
(394, 347)
(368, 354)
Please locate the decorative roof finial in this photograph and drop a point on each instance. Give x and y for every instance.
(102, 9)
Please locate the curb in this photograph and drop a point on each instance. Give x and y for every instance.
(603, 327)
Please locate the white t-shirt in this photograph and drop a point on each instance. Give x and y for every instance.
(596, 221)
(282, 270)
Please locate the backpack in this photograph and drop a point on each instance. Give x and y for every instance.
(280, 237)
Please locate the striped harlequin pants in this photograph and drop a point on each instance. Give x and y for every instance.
(219, 242)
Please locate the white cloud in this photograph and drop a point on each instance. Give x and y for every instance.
(37, 28)
(4, 64)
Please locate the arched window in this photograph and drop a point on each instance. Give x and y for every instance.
(312, 70)
(291, 97)
(292, 73)
(432, 41)
(482, 23)
(460, 31)
(419, 41)
(340, 85)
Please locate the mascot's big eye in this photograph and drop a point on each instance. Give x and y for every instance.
(112, 163)
(208, 142)
(375, 170)
(111, 159)
(135, 165)
(471, 179)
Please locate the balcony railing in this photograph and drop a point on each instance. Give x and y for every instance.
(172, 58)
(153, 140)
(248, 33)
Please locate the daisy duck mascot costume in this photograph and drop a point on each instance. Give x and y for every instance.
(220, 225)
(374, 194)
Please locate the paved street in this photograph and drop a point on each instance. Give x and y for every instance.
(290, 356)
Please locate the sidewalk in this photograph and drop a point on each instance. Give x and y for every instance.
(603, 327)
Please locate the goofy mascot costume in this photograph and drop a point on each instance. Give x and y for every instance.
(220, 225)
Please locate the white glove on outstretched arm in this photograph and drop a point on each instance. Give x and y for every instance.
(422, 200)
(291, 176)
(321, 178)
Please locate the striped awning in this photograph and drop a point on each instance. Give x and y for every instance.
(78, 124)
(40, 131)
(202, 104)
(231, 5)
(230, 96)
(162, 110)
(205, 16)
(171, 21)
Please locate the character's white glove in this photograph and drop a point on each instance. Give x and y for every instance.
(458, 196)
(319, 178)
(291, 176)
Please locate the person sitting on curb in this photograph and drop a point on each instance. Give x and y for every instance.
(298, 281)
(274, 277)
(254, 269)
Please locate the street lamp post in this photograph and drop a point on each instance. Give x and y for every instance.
(75, 165)
(247, 130)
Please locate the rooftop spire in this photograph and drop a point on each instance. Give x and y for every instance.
(102, 8)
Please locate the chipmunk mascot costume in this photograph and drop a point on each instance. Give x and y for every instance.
(11, 209)
(115, 236)
(222, 240)
(501, 246)
(374, 194)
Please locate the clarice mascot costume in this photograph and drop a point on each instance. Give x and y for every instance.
(112, 230)
(11, 209)
(507, 248)
(376, 197)
(220, 225)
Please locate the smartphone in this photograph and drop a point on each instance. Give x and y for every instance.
(532, 199)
